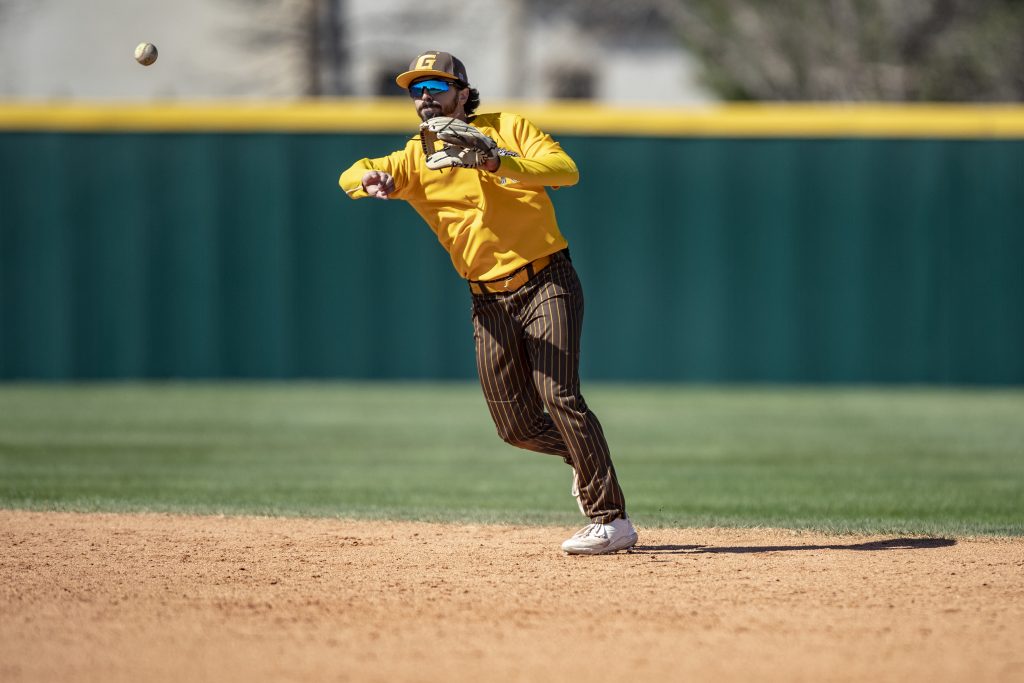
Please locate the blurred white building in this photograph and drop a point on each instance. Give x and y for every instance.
(608, 51)
(617, 52)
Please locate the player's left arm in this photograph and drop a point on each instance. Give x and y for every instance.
(543, 162)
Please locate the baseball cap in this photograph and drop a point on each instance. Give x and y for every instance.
(433, 63)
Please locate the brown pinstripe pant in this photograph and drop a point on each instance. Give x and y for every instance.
(527, 354)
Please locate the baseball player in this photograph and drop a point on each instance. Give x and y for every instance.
(479, 181)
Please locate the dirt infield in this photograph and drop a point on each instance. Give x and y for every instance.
(174, 598)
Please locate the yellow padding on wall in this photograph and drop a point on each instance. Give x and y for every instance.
(396, 115)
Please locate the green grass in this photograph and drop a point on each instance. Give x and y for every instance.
(921, 461)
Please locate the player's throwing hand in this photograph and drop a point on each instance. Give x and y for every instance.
(378, 184)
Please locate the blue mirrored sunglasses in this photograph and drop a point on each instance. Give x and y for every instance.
(433, 86)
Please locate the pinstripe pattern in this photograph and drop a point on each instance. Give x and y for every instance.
(527, 352)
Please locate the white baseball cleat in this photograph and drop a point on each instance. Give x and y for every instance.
(575, 491)
(599, 539)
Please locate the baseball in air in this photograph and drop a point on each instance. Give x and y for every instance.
(145, 54)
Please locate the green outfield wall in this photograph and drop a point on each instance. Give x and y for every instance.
(844, 254)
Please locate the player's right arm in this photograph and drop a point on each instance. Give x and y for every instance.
(383, 178)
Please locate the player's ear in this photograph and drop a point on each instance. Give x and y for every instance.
(463, 96)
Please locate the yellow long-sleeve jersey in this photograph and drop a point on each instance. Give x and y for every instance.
(490, 223)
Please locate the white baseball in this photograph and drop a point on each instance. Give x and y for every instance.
(145, 53)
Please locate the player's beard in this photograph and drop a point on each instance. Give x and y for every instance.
(438, 109)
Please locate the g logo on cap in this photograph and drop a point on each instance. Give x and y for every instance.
(426, 61)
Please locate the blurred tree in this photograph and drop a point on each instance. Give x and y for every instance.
(880, 50)
(845, 50)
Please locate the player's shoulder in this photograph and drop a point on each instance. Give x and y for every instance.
(498, 120)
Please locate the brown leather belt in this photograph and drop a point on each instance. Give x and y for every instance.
(512, 281)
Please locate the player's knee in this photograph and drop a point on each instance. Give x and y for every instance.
(514, 436)
(521, 434)
(515, 422)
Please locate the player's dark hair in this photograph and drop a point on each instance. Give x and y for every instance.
(473, 102)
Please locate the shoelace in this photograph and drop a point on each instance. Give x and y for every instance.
(595, 530)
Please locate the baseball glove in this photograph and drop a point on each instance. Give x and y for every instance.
(464, 145)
